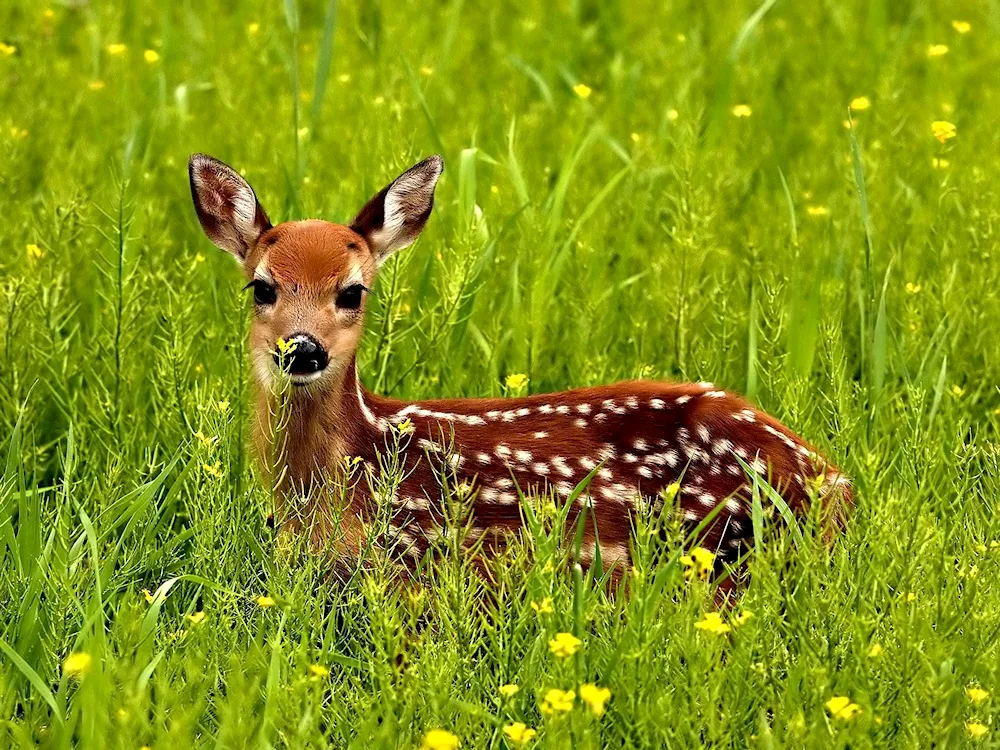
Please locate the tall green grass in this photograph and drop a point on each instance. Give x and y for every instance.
(843, 276)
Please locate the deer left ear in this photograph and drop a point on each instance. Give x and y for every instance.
(226, 205)
(395, 217)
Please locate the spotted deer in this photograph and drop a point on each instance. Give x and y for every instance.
(310, 282)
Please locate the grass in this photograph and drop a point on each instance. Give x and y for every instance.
(845, 278)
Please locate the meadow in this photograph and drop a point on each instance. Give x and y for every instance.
(796, 201)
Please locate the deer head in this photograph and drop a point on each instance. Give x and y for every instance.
(309, 279)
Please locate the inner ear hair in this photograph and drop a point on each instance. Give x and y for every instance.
(226, 205)
(395, 217)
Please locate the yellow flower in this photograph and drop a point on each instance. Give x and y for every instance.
(222, 405)
(937, 50)
(976, 694)
(742, 110)
(427, 70)
(860, 103)
(519, 733)
(344, 78)
(151, 56)
(318, 671)
(943, 130)
(582, 90)
(940, 163)
(975, 729)
(743, 617)
(817, 210)
(557, 701)
(214, 470)
(635, 138)
(197, 618)
(701, 562)
(96, 85)
(962, 27)
(841, 707)
(117, 50)
(48, 13)
(253, 28)
(544, 607)
(673, 114)
(34, 252)
(440, 739)
(595, 697)
(77, 664)
(713, 623)
(405, 427)
(912, 288)
(265, 601)
(910, 596)
(147, 596)
(7, 50)
(957, 391)
(204, 439)
(564, 644)
(509, 690)
(516, 381)
(876, 650)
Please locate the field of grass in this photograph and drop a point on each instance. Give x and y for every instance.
(634, 188)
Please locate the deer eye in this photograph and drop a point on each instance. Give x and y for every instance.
(263, 293)
(350, 298)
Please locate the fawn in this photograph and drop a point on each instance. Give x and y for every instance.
(310, 280)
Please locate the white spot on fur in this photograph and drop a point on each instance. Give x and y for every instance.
(541, 435)
(483, 458)
(502, 451)
(541, 468)
(681, 400)
(656, 403)
(581, 423)
(645, 471)
(715, 394)
(583, 408)
(703, 434)
(545, 409)
(640, 445)
(630, 458)
(588, 463)
(522, 456)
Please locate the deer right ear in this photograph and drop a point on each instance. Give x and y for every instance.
(395, 217)
(226, 205)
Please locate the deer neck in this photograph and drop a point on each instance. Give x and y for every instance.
(308, 434)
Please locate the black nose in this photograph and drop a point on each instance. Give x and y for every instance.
(303, 355)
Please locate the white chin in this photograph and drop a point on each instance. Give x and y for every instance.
(312, 377)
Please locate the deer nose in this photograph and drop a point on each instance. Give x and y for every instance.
(302, 355)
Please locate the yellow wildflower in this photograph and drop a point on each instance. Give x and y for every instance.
(557, 701)
(7, 50)
(48, 13)
(151, 56)
(943, 130)
(204, 439)
(564, 644)
(197, 618)
(405, 427)
(742, 110)
(635, 138)
(673, 114)
(976, 729)
(962, 27)
(582, 90)
(117, 50)
(96, 85)
(940, 163)
(876, 650)
(519, 733)
(595, 697)
(817, 210)
(957, 391)
(544, 607)
(516, 381)
(318, 671)
(344, 78)
(937, 50)
(743, 617)
(427, 70)
(440, 739)
(77, 664)
(253, 28)
(912, 288)
(860, 103)
(509, 690)
(265, 601)
(34, 252)
(712, 622)
(223, 405)
(700, 562)
(147, 596)
(214, 470)
(976, 694)
(841, 707)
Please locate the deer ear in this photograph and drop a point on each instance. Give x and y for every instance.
(227, 206)
(395, 217)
